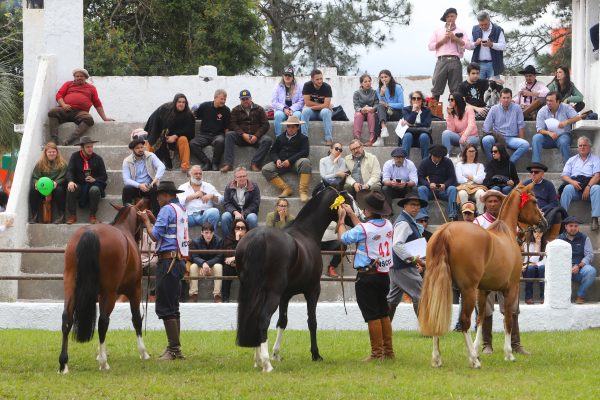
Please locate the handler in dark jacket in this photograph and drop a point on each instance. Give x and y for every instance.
(87, 179)
(290, 152)
(241, 201)
(436, 174)
(206, 264)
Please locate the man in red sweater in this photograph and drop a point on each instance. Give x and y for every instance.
(75, 98)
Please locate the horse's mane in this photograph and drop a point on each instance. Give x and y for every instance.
(500, 227)
(120, 213)
(307, 209)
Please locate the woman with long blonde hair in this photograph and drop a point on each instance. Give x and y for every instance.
(50, 165)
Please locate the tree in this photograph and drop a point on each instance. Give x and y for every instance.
(312, 32)
(529, 43)
(171, 37)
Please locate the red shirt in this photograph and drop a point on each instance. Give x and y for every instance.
(81, 97)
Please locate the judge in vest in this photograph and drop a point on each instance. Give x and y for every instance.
(171, 232)
(142, 172)
(488, 47)
(372, 261)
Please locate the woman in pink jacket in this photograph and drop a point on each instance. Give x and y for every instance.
(460, 124)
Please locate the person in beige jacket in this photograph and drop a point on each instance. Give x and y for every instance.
(364, 171)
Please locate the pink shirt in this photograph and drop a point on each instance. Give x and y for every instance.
(465, 126)
(449, 48)
(537, 87)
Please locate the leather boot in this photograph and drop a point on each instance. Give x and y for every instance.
(81, 129)
(303, 187)
(376, 336)
(515, 337)
(392, 308)
(173, 350)
(286, 190)
(486, 331)
(388, 343)
(33, 217)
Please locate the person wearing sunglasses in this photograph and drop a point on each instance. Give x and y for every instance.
(500, 172)
(287, 99)
(460, 124)
(333, 167)
(418, 118)
(240, 228)
(365, 102)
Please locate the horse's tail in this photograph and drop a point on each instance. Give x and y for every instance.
(86, 286)
(252, 292)
(435, 305)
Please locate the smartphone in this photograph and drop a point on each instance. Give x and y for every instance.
(484, 41)
(399, 180)
(438, 185)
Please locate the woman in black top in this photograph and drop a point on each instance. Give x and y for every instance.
(240, 228)
(500, 172)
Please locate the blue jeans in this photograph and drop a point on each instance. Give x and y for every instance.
(322, 115)
(227, 222)
(562, 142)
(569, 194)
(449, 195)
(585, 277)
(407, 141)
(520, 146)
(198, 218)
(504, 188)
(450, 139)
(538, 271)
(486, 70)
(280, 116)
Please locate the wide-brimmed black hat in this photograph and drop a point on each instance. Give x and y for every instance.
(530, 69)
(135, 142)
(413, 197)
(169, 187)
(86, 140)
(438, 150)
(373, 201)
(450, 10)
(537, 165)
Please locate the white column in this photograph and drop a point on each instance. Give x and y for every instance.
(558, 274)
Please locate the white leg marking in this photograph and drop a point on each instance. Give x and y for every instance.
(65, 371)
(478, 338)
(436, 358)
(508, 354)
(277, 345)
(257, 361)
(264, 356)
(471, 352)
(142, 349)
(102, 357)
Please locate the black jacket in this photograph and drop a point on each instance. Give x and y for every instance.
(292, 150)
(442, 173)
(504, 168)
(251, 199)
(211, 259)
(97, 169)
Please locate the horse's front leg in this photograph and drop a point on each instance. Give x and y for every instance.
(436, 357)
(281, 325)
(311, 306)
(481, 304)
(509, 299)
(136, 319)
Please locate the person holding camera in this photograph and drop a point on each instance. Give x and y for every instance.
(87, 179)
(399, 176)
(448, 43)
(500, 172)
(488, 47)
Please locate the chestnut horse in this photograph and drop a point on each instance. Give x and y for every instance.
(475, 259)
(275, 265)
(102, 262)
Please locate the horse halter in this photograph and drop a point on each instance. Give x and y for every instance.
(525, 197)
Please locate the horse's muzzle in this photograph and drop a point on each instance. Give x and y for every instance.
(543, 224)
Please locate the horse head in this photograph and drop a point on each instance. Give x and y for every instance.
(128, 216)
(334, 197)
(529, 212)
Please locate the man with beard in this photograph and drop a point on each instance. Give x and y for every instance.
(142, 172)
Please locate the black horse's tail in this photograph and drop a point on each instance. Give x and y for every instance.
(86, 286)
(252, 294)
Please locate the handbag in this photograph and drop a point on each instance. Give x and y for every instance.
(499, 180)
(338, 114)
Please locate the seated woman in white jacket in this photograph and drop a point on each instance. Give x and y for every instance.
(470, 175)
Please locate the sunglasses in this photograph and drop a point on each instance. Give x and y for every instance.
(535, 172)
(337, 148)
(495, 151)
(472, 151)
(450, 99)
(240, 228)
(416, 98)
(288, 75)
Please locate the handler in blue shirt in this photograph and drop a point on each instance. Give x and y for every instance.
(142, 172)
(171, 232)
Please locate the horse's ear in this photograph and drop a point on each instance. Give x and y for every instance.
(143, 204)
(116, 206)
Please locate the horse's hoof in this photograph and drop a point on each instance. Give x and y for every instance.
(509, 357)
(267, 368)
(145, 356)
(475, 364)
(436, 363)
(276, 357)
(64, 371)
(104, 367)
(317, 358)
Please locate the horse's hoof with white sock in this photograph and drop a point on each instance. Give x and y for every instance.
(145, 356)
(436, 362)
(267, 367)
(65, 371)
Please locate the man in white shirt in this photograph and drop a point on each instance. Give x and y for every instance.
(199, 199)
(531, 95)
(399, 176)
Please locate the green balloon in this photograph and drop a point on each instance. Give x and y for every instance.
(44, 185)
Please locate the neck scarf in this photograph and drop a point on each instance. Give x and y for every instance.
(86, 164)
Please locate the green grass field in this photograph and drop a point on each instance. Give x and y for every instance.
(565, 365)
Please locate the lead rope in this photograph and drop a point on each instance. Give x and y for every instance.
(342, 277)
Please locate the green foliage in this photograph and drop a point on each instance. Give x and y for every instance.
(171, 37)
(564, 366)
(315, 33)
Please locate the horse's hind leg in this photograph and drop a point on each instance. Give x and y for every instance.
(107, 303)
(468, 303)
(136, 319)
(509, 299)
(268, 310)
(436, 357)
(67, 323)
(311, 305)
(281, 325)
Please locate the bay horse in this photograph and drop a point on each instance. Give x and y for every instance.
(476, 259)
(274, 265)
(102, 262)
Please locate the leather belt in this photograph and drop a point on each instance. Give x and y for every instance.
(167, 255)
(448, 58)
(485, 61)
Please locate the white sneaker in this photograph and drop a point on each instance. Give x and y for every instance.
(384, 132)
(378, 142)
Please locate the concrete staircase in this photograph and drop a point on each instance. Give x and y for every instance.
(114, 137)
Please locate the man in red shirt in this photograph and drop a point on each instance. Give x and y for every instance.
(75, 98)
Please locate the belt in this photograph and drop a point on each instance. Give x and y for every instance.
(367, 271)
(448, 58)
(167, 255)
(485, 61)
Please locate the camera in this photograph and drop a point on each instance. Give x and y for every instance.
(459, 35)
(87, 172)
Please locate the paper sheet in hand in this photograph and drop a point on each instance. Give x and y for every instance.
(417, 247)
(552, 125)
(401, 129)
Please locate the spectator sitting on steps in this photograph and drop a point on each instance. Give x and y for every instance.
(240, 201)
(206, 264)
(199, 198)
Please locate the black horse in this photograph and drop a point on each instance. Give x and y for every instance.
(275, 265)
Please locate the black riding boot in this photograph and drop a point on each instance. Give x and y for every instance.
(173, 350)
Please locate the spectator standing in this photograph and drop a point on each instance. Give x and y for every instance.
(532, 93)
(290, 153)
(391, 103)
(206, 264)
(581, 178)
(216, 117)
(567, 92)
(287, 99)
(172, 126)
(488, 46)
(470, 175)
(75, 98)
(50, 165)
(448, 43)
(317, 105)
(365, 106)
(418, 119)
(249, 126)
(240, 201)
(280, 217)
(582, 270)
(199, 198)
(460, 124)
(142, 172)
(399, 176)
(365, 171)
(87, 179)
(505, 122)
(500, 171)
(436, 174)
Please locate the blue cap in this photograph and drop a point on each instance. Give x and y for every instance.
(245, 93)
(421, 215)
(399, 152)
(571, 219)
